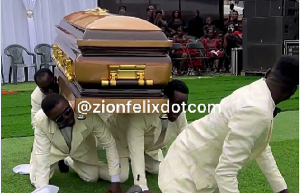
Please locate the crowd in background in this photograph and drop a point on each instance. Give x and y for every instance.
(217, 44)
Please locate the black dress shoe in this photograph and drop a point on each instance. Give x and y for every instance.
(63, 168)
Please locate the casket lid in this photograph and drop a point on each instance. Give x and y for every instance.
(100, 19)
(98, 28)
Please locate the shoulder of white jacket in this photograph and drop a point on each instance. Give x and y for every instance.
(37, 94)
(136, 116)
(92, 118)
(260, 100)
(40, 117)
(252, 95)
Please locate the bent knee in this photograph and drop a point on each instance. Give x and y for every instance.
(90, 178)
(154, 169)
(124, 177)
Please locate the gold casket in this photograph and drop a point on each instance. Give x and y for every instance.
(116, 59)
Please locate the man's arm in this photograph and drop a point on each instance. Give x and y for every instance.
(106, 140)
(246, 126)
(35, 107)
(42, 156)
(135, 138)
(268, 166)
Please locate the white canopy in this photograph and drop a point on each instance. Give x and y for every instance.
(31, 22)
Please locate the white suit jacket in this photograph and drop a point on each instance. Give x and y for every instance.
(36, 99)
(140, 133)
(50, 146)
(220, 144)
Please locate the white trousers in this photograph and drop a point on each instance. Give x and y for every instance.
(179, 174)
(152, 167)
(87, 172)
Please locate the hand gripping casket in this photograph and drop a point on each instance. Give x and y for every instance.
(110, 59)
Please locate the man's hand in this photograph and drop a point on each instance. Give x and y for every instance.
(115, 187)
(284, 191)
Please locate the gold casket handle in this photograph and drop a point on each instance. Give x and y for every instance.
(126, 74)
(69, 72)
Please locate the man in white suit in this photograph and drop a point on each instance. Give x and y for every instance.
(207, 156)
(57, 135)
(141, 137)
(46, 84)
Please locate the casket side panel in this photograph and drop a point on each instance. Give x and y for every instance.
(157, 69)
(70, 92)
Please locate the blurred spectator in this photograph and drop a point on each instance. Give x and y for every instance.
(233, 19)
(163, 15)
(239, 31)
(122, 10)
(175, 22)
(231, 40)
(231, 7)
(195, 25)
(213, 49)
(221, 38)
(166, 31)
(161, 23)
(150, 13)
(208, 26)
(182, 39)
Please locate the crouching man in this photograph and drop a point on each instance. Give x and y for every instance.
(46, 84)
(57, 135)
(208, 155)
(140, 138)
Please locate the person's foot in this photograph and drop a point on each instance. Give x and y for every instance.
(63, 168)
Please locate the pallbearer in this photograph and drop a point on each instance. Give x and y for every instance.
(46, 84)
(207, 156)
(140, 138)
(59, 135)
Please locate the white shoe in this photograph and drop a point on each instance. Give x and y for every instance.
(47, 189)
(22, 169)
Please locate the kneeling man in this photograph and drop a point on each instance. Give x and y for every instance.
(207, 156)
(57, 135)
(46, 84)
(141, 137)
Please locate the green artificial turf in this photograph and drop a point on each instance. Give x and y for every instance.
(16, 142)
